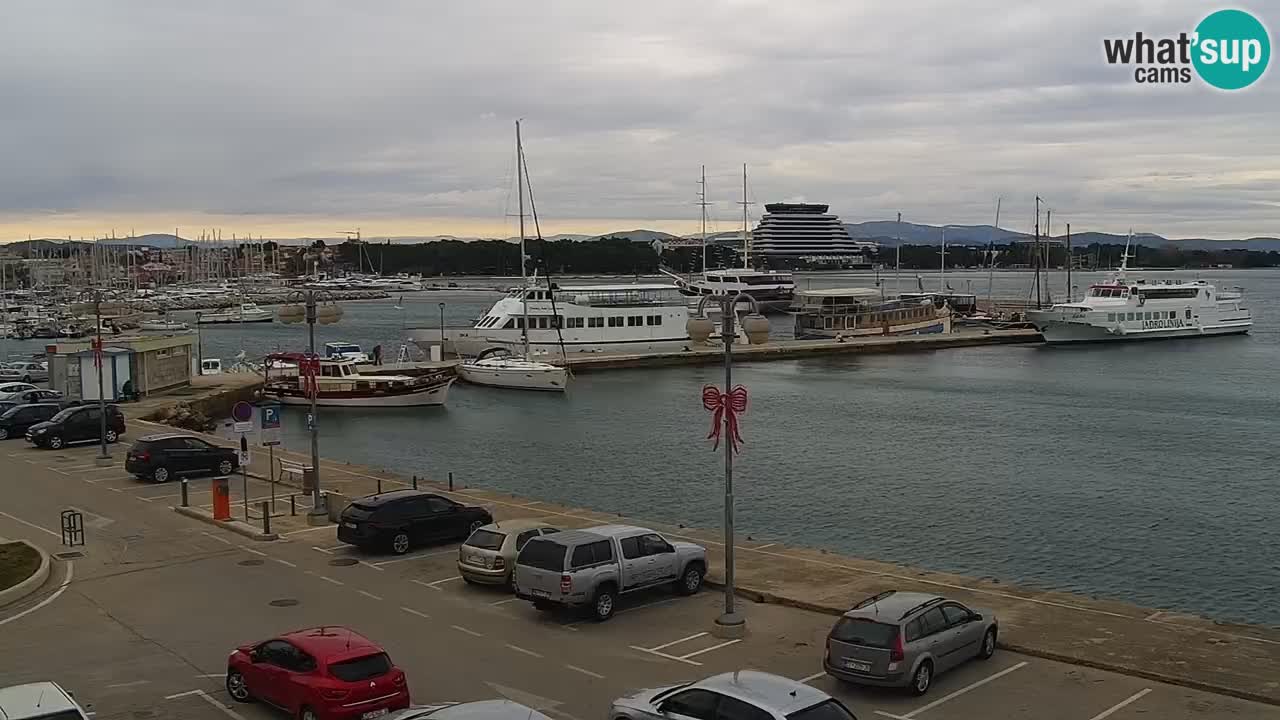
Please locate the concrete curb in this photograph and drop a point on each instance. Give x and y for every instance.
(765, 596)
(235, 526)
(29, 586)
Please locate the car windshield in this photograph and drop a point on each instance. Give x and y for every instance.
(361, 668)
(63, 415)
(8, 411)
(825, 710)
(861, 631)
(486, 539)
(542, 554)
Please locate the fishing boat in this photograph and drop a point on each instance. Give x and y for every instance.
(858, 312)
(161, 324)
(337, 383)
(1125, 308)
(245, 312)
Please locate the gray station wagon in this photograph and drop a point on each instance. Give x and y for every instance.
(904, 639)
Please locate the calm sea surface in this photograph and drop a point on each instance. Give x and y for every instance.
(1143, 472)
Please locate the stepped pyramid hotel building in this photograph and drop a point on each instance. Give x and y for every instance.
(805, 235)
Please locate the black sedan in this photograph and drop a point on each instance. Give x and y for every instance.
(167, 455)
(401, 519)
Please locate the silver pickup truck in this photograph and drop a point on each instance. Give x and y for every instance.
(592, 567)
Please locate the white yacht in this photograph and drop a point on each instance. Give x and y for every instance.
(246, 312)
(1124, 308)
(497, 367)
(585, 318)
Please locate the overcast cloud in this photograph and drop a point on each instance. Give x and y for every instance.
(288, 117)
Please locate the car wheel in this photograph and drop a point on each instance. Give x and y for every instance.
(237, 688)
(400, 543)
(691, 581)
(160, 474)
(988, 645)
(225, 468)
(4, 433)
(923, 678)
(307, 713)
(603, 605)
(111, 436)
(55, 442)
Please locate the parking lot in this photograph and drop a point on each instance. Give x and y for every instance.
(143, 620)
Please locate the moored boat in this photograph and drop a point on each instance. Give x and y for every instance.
(859, 312)
(496, 367)
(337, 383)
(245, 312)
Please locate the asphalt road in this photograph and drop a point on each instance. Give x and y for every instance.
(141, 623)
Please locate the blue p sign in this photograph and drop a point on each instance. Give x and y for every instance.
(270, 417)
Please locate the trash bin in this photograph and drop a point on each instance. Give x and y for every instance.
(308, 479)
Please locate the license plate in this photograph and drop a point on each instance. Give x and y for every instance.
(540, 593)
(349, 525)
(373, 714)
(859, 666)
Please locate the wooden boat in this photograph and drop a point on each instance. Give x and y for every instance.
(337, 383)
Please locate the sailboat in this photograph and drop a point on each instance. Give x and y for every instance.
(772, 290)
(496, 367)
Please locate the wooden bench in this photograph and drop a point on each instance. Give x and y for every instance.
(294, 470)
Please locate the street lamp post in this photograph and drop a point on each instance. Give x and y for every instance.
(312, 312)
(199, 346)
(730, 624)
(441, 331)
(99, 356)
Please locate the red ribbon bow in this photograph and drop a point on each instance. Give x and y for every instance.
(725, 407)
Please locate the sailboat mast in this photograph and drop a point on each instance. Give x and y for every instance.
(897, 262)
(702, 200)
(746, 241)
(942, 274)
(524, 284)
(991, 261)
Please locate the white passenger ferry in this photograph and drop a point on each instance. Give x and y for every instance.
(585, 318)
(1124, 308)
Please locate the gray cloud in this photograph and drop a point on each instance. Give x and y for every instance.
(404, 110)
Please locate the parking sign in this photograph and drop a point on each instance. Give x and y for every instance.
(269, 420)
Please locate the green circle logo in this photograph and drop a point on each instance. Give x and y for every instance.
(1231, 49)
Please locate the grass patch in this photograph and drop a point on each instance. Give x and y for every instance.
(18, 561)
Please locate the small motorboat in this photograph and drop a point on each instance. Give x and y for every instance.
(161, 324)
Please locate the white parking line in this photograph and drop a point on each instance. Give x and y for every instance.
(320, 549)
(175, 696)
(222, 540)
(129, 684)
(310, 529)
(228, 711)
(624, 610)
(326, 578)
(664, 646)
(435, 584)
(707, 650)
(1127, 701)
(30, 524)
(251, 550)
(504, 602)
(284, 562)
(468, 631)
(451, 551)
(411, 611)
(368, 594)
(811, 678)
(664, 655)
(519, 649)
(957, 693)
(588, 673)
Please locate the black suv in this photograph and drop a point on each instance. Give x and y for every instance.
(401, 519)
(14, 421)
(76, 424)
(160, 457)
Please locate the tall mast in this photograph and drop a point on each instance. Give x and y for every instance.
(702, 201)
(942, 274)
(746, 241)
(524, 284)
(897, 263)
(1070, 261)
(1037, 252)
(991, 261)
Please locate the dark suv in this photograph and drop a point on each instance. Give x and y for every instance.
(401, 519)
(15, 421)
(76, 424)
(160, 457)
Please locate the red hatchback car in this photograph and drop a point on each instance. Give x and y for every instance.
(324, 673)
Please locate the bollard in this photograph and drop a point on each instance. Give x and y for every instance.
(266, 519)
(415, 482)
(450, 479)
(379, 486)
(185, 503)
(293, 505)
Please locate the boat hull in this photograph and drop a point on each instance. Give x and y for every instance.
(550, 379)
(227, 320)
(467, 342)
(436, 394)
(932, 326)
(1056, 332)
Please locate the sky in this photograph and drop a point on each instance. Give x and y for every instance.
(305, 118)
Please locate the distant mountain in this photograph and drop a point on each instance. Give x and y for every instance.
(164, 241)
(887, 232)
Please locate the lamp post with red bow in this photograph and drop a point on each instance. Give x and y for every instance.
(725, 407)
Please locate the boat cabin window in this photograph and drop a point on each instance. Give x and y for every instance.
(653, 320)
(635, 320)
(595, 322)
(615, 321)
(574, 322)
